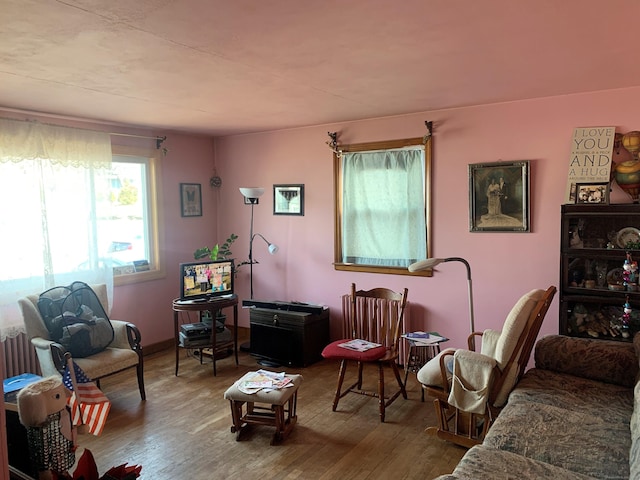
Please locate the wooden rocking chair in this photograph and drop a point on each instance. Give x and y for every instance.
(471, 388)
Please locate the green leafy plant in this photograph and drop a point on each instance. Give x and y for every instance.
(218, 252)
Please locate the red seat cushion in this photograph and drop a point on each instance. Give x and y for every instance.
(335, 351)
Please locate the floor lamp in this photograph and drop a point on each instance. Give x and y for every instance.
(432, 262)
(252, 194)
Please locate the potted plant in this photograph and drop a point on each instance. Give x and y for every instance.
(218, 252)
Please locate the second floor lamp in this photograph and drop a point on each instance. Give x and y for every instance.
(252, 194)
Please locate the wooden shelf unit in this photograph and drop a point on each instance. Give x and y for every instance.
(592, 294)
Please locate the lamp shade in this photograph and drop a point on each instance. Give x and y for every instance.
(273, 248)
(424, 264)
(252, 192)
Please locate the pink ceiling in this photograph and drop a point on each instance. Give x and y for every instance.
(223, 67)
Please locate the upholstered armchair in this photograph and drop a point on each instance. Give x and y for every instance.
(470, 388)
(123, 353)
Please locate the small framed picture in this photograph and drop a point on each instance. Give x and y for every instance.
(288, 199)
(499, 197)
(191, 199)
(593, 193)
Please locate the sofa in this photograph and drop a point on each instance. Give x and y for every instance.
(575, 415)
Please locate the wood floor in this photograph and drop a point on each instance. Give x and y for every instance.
(182, 431)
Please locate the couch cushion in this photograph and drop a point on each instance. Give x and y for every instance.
(577, 394)
(482, 462)
(605, 360)
(335, 351)
(580, 442)
(106, 362)
(514, 325)
(430, 373)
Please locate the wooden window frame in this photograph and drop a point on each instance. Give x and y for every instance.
(338, 184)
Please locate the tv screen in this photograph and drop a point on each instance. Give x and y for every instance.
(206, 279)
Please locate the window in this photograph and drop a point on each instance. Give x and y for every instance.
(382, 205)
(74, 208)
(126, 217)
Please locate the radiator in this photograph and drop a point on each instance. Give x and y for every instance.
(365, 324)
(18, 356)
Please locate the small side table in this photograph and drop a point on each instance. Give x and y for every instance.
(419, 354)
(212, 306)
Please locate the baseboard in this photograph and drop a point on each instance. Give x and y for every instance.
(243, 334)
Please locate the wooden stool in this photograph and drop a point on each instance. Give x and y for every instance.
(281, 401)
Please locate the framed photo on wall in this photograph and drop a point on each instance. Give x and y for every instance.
(499, 197)
(592, 193)
(191, 199)
(288, 199)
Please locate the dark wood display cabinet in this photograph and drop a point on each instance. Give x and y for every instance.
(594, 288)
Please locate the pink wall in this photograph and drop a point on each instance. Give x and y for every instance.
(504, 265)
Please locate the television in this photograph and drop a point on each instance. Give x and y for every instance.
(206, 279)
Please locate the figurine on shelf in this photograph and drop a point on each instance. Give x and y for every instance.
(626, 318)
(575, 241)
(630, 268)
(601, 273)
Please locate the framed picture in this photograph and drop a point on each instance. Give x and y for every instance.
(593, 193)
(191, 199)
(288, 199)
(499, 197)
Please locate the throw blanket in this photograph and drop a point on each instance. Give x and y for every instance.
(472, 375)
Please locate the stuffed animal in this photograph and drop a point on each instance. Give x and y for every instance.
(42, 408)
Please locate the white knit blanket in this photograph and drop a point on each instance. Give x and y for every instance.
(472, 375)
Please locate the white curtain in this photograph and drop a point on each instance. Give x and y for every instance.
(384, 207)
(49, 176)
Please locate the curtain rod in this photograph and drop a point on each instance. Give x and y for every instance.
(159, 140)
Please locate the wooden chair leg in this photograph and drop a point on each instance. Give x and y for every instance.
(343, 369)
(381, 400)
(140, 373)
(396, 372)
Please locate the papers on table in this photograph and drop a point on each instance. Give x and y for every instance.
(264, 380)
(424, 338)
(359, 345)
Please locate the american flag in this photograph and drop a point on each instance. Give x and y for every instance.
(94, 405)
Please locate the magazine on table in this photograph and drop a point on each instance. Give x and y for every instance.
(424, 338)
(265, 380)
(359, 345)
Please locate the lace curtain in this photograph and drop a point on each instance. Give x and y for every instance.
(384, 207)
(49, 177)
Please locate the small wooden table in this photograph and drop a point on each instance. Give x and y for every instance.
(419, 354)
(211, 306)
(280, 411)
